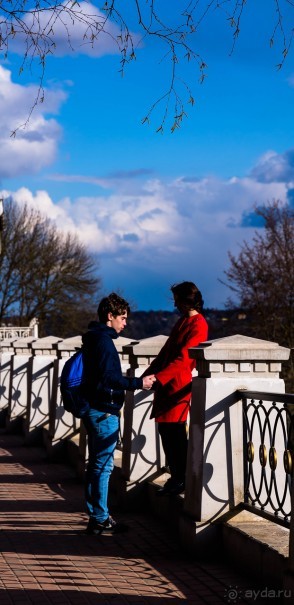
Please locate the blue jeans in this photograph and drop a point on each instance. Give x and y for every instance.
(102, 439)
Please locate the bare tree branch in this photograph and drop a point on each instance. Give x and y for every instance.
(262, 276)
(31, 30)
(44, 273)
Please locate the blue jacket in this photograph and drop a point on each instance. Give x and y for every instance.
(105, 383)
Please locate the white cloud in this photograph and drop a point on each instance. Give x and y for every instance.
(34, 146)
(40, 201)
(68, 29)
(169, 231)
(274, 166)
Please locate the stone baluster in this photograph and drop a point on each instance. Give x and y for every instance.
(6, 354)
(120, 343)
(41, 366)
(142, 456)
(62, 425)
(18, 394)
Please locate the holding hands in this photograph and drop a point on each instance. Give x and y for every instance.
(148, 382)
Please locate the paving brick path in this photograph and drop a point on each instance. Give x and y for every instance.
(46, 558)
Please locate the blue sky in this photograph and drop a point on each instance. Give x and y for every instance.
(155, 208)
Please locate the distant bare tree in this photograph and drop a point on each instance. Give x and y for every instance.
(262, 277)
(32, 28)
(45, 274)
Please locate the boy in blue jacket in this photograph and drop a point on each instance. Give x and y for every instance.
(105, 391)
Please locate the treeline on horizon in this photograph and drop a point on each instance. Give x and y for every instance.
(145, 324)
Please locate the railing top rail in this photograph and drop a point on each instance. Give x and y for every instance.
(17, 332)
(263, 395)
(7, 328)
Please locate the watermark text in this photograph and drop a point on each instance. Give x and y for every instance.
(234, 594)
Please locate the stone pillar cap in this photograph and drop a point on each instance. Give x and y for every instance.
(75, 342)
(121, 342)
(26, 341)
(47, 342)
(6, 342)
(239, 347)
(69, 344)
(147, 346)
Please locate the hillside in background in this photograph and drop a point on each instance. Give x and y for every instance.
(144, 324)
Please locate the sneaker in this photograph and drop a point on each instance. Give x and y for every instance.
(171, 488)
(109, 526)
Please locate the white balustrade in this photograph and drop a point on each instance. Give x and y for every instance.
(7, 332)
(29, 388)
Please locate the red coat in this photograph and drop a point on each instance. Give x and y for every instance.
(173, 370)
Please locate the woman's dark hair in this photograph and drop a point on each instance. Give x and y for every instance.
(112, 304)
(188, 295)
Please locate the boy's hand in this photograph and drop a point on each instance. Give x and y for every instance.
(148, 382)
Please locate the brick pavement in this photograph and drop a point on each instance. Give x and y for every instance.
(46, 557)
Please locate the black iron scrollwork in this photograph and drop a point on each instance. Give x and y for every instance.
(270, 427)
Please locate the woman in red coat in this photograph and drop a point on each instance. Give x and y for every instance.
(173, 370)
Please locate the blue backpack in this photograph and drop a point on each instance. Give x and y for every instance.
(72, 386)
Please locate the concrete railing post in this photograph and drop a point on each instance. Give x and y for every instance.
(214, 479)
(40, 384)
(120, 343)
(62, 425)
(6, 355)
(141, 455)
(19, 380)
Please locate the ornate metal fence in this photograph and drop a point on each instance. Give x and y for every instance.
(268, 453)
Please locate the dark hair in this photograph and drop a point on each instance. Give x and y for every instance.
(112, 304)
(188, 295)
